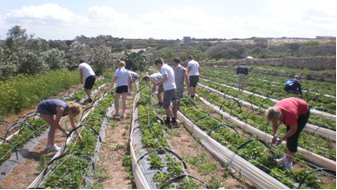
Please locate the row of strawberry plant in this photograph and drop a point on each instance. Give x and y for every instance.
(310, 86)
(251, 149)
(256, 118)
(71, 170)
(319, 102)
(164, 165)
(265, 103)
(310, 128)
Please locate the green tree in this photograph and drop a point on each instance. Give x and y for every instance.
(54, 58)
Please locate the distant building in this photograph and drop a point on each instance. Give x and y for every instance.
(187, 39)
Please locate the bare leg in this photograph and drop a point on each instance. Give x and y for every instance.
(51, 134)
(117, 103)
(88, 92)
(160, 98)
(123, 103)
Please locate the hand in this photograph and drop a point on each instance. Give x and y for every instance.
(80, 137)
(279, 141)
(274, 140)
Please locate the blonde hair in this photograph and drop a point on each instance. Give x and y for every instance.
(74, 108)
(273, 114)
(122, 63)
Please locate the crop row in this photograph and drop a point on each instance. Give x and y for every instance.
(256, 118)
(73, 167)
(227, 76)
(250, 148)
(163, 164)
(265, 103)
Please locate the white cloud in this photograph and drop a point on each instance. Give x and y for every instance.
(275, 19)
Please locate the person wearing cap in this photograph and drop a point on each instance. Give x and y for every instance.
(193, 70)
(293, 85)
(159, 89)
(294, 114)
(123, 78)
(170, 92)
(87, 75)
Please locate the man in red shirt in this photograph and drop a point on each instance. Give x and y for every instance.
(294, 113)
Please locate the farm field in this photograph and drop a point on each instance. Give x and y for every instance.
(222, 139)
(166, 158)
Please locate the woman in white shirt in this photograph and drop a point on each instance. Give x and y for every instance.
(123, 79)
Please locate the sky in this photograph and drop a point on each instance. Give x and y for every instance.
(169, 19)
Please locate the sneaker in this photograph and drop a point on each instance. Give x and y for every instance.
(281, 161)
(288, 165)
(53, 148)
(175, 123)
(167, 122)
(116, 115)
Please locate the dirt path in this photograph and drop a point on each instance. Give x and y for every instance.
(113, 150)
(190, 149)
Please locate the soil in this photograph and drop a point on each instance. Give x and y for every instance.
(113, 150)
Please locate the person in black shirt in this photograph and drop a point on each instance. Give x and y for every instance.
(241, 72)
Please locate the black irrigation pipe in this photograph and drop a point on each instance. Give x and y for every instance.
(180, 178)
(162, 150)
(314, 171)
(19, 123)
(168, 150)
(217, 127)
(76, 128)
(211, 117)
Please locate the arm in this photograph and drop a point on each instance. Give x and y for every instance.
(153, 88)
(81, 76)
(290, 133)
(275, 132)
(114, 80)
(299, 89)
(165, 78)
(72, 123)
(130, 82)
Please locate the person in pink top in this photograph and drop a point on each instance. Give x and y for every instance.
(293, 113)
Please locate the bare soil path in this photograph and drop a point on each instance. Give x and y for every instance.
(113, 151)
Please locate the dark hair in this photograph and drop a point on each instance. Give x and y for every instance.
(159, 60)
(190, 57)
(82, 61)
(176, 60)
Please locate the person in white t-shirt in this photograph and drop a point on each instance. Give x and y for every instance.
(193, 70)
(122, 78)
(155, 77)
(87, 74)
(134, 77)
(170, 91)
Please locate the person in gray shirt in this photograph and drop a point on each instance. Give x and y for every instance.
(181, 76)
